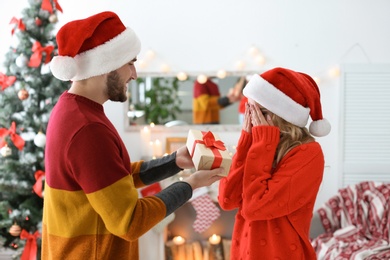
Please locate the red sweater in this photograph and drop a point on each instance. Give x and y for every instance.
(274, 209)
(91, 204)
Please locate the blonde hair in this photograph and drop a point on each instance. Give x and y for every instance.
(290, 137)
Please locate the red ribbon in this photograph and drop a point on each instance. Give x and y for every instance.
(15, 138)
(31, 248)
(209, 141)
(35, 59)
(37, 188)
(46, 5)
(18, 24)
(6, 81)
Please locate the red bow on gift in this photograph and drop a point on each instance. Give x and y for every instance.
(46, 5)
(37, 188)
(6, 81)
(35, 59)
(210, 142)
(19, 24)
(31, 248)
(15, 138)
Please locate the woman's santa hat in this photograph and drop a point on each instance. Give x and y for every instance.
(290, 95)
(93, 46)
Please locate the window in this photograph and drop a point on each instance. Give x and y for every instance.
(365, 128)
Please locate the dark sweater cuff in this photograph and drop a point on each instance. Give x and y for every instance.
(175, 195)
(159, 169)
(224, 101)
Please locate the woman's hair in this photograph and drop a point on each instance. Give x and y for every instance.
(290, 136)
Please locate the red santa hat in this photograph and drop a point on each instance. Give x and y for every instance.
(291, 95)
(93, 46)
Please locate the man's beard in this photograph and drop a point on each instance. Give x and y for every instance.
(115, 87)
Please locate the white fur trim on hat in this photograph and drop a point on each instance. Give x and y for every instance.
(63, 67)
(103, 59)
(276, 101)
(320, 127)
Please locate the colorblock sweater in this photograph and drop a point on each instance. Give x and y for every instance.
(274, 205)
(91, 204)
(207, 102)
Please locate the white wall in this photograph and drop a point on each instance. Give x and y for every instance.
(306, 35)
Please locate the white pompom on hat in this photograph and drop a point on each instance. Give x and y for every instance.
(291, 95)
(93, 46)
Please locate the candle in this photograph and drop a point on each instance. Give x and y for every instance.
(178, 240)
(214, 239)
(157, 151)
(145, 136)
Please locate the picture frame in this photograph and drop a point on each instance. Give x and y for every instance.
(174, 143)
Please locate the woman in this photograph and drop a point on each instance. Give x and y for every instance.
(277, 169)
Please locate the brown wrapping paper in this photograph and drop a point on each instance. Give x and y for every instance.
(206, 153)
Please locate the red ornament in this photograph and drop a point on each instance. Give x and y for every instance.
(38, 21)
(23, 94)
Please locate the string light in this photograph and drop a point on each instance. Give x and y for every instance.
(240, 65)
(150, 54)
(317, 80)
(257, 59)
(334, 72)
(182, 76)
(142, 64)
(202, 78)
(165, 68)
(253, 51)
(260, 60)
(221, 74)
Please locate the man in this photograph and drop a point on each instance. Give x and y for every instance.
(207, 102)
(91, 206)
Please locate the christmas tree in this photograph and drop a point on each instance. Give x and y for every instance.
(28, 92)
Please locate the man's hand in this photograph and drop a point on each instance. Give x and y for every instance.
(183, 158)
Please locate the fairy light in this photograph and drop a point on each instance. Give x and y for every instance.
(182, 76)
(150, 54)
(253, 51)
(260, 60)
(202, 78)
(317, 80)
(142, 64)
(221, 74)
(240, 65)
(165, 68)
(334, 72)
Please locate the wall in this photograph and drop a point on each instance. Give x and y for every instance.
(305, 35)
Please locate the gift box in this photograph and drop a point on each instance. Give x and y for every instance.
(208, 151)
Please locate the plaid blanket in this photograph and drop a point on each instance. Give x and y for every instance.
(356, 223)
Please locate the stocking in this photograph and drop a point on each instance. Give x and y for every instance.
(206, 212)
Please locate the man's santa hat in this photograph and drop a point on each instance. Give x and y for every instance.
(290, 95)
(93, 46)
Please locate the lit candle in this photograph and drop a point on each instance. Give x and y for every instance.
(151, 149)
(215, 239)
(157, 151)
(178, 240)
(145, 136)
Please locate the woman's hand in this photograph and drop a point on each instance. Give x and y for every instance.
(204, 178)
(247, 125)
(258, 118)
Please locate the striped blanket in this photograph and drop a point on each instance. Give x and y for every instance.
(356, 223)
